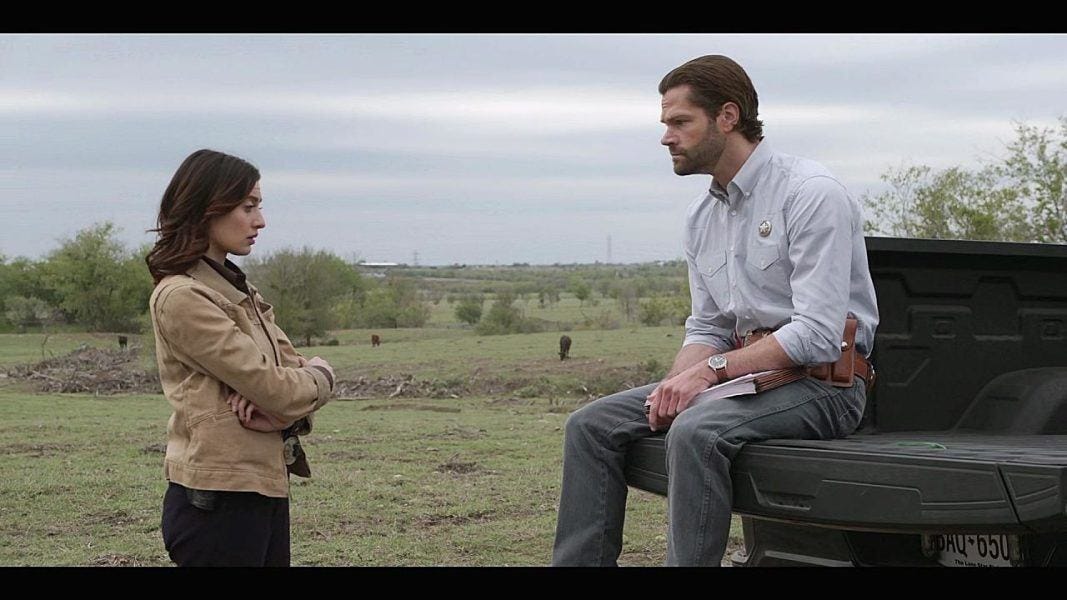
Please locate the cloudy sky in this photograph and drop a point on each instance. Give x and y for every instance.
(478, 149)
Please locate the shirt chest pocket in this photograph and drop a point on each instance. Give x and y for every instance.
(763, 256)
(768, 268)
(713, 271)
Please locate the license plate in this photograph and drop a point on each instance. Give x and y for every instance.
(972, 550)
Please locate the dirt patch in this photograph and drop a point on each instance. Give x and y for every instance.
(587, 379)
(36, 450)
(106, 371)
(92, 371)
(401, 385)
(429, 407)
(731, 548)
(457, 467)
(345, 455)
(343, 528)
(117, 560)
(116, 517)
(561, 409)
(430, 521)
(154, 449)
(511, 402)
(454, 433)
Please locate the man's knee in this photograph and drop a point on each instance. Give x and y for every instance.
(689, 431)
(596, 412)
(684, 431)
(584, 420)
(603, 417)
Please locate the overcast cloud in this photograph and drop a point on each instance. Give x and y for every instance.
(475, 149)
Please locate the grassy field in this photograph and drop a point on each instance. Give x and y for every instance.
(18, 348)
(412, 482)
(450, 352)
(568, 311)
(406, 481)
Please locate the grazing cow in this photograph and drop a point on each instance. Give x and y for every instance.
(564, 346)
(375, 340)
(122, 342)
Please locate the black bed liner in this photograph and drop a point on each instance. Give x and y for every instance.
(902, 482)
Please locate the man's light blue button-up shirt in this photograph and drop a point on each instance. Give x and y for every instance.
(782, 245)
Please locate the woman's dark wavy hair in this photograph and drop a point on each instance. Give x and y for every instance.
(208, 184)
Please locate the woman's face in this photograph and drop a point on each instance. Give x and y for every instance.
(236, 231)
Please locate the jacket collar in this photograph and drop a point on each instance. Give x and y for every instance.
(203, 273)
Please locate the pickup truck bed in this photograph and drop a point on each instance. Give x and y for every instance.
(965, 431)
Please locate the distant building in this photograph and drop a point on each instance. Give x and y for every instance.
(377, 270)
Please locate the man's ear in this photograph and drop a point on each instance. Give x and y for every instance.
(729, 116)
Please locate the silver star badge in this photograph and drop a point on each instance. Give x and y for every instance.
(765, 229)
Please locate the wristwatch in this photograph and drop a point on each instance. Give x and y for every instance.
(717, 363)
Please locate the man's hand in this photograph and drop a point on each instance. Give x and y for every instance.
(673, 396)
(252, 417)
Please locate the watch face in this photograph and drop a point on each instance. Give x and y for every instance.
(717, 362)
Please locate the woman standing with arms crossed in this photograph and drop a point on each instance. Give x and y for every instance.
(239, 390)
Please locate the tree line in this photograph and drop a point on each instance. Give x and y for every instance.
(93, 282)
(1019, 196)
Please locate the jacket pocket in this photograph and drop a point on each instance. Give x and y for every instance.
(214, 415)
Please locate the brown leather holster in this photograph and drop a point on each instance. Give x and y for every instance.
(840, 373)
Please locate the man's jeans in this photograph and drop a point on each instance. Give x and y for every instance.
(701, 445)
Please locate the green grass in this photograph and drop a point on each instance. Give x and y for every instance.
(78, 487)
(16, 348)
(428, 353)
(412, 482)
(568, 311)
(361, 337)
(469, 481)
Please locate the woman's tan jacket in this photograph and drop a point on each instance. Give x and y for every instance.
(211, 338)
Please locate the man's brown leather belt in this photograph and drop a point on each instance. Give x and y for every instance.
(837, 373)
